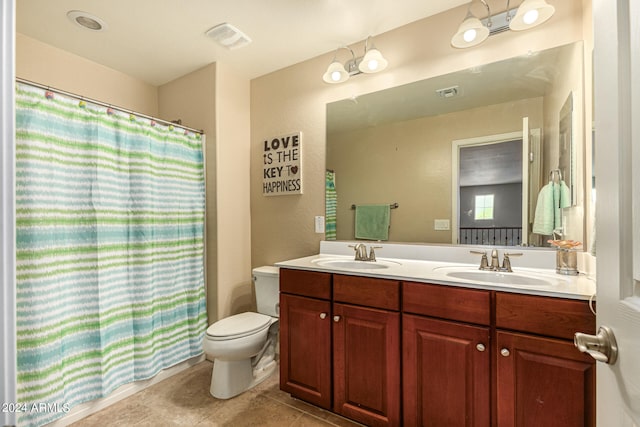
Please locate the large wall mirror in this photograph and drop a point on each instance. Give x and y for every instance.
(395, 146)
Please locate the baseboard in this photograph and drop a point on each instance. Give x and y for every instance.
(85, 409)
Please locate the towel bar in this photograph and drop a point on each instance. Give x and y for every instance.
(392, 206)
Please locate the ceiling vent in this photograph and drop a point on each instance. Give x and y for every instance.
(448, 92)
(228, 36)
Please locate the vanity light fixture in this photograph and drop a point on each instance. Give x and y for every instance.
(531, 13)
(371, 62)
(474, 31)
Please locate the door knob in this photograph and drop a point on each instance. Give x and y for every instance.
(505, 352)
(323, 315)
(480, 347)
(602, 347)
(336, 318)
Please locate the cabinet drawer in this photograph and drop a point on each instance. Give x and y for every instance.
(447, 302)
(553, 317)
(306, 283)
(377, 293)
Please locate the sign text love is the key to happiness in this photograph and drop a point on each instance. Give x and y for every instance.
(281, 173)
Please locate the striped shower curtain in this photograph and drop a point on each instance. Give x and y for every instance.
(110, 283)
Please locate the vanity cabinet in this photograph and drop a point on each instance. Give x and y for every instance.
(446, 356)
(340, 344)
(366, 350)
(542, 379)
(390, 353)
(305, 336)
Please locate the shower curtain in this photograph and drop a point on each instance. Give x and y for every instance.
(109, 217)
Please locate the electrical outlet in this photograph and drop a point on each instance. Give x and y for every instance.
(441, 224)
(319, 223)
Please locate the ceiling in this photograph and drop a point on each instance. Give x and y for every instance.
(160, 40)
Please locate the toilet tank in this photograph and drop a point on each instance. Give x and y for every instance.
(267, 284)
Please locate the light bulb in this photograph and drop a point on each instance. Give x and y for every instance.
(531, 16)
(470, 35)
(372, 65)
(335, 76)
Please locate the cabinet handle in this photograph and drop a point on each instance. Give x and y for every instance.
(323, 315)
(481, 347)
(336, 318)
(505, 352)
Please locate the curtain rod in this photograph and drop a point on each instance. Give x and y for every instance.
(104, 104)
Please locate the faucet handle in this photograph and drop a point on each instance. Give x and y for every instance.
(484, 263)
(372, 253)
(506, 262)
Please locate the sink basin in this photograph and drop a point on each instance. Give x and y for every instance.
(498, 278)
(350, 264)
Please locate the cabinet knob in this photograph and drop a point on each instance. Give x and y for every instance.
(323, 315)
(505, 352)
(336, 318)
(481, 347)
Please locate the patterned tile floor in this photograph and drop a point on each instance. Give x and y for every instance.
(184, 400)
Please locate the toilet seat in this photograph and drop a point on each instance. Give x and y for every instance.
(238, 326)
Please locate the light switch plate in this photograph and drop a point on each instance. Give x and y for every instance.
(441, 224)
(319, 222)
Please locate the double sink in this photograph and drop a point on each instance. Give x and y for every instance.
(455, 273)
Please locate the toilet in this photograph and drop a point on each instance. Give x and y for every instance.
(243, 346)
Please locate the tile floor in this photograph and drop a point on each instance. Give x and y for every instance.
(184, 400)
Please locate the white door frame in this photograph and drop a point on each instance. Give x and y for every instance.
(8, 390)
(617, 128)
(456, 145)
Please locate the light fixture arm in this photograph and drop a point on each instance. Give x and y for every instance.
(508, 12)
(489, 23)
(335, 54)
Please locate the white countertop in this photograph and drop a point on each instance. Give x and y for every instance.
(433, 264)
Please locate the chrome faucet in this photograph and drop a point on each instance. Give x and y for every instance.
(495, 261)
(361, 252)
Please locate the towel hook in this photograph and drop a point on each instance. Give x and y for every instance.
(557, 173)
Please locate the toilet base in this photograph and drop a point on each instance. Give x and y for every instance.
(233, 377)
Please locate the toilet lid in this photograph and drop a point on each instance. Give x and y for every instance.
(238, 325)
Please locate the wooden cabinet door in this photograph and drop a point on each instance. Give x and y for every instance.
(446, 373)
(305, 349)
(366, 364)
(543, 382)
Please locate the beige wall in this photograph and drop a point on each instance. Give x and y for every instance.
(234, 213)
(192, 99)
(410, 163)
(294, 99)
(47, 65)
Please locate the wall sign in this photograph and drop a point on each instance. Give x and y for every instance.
(281, 174)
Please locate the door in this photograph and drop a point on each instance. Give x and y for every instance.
(617, 163)
(543, 382)
(305, 349)
(366, 364)
(478, 171)
(446, 373)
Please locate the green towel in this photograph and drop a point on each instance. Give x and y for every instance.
(545, 213)
(372, 222)
(552, 198)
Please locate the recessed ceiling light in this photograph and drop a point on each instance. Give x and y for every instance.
(87, 20)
